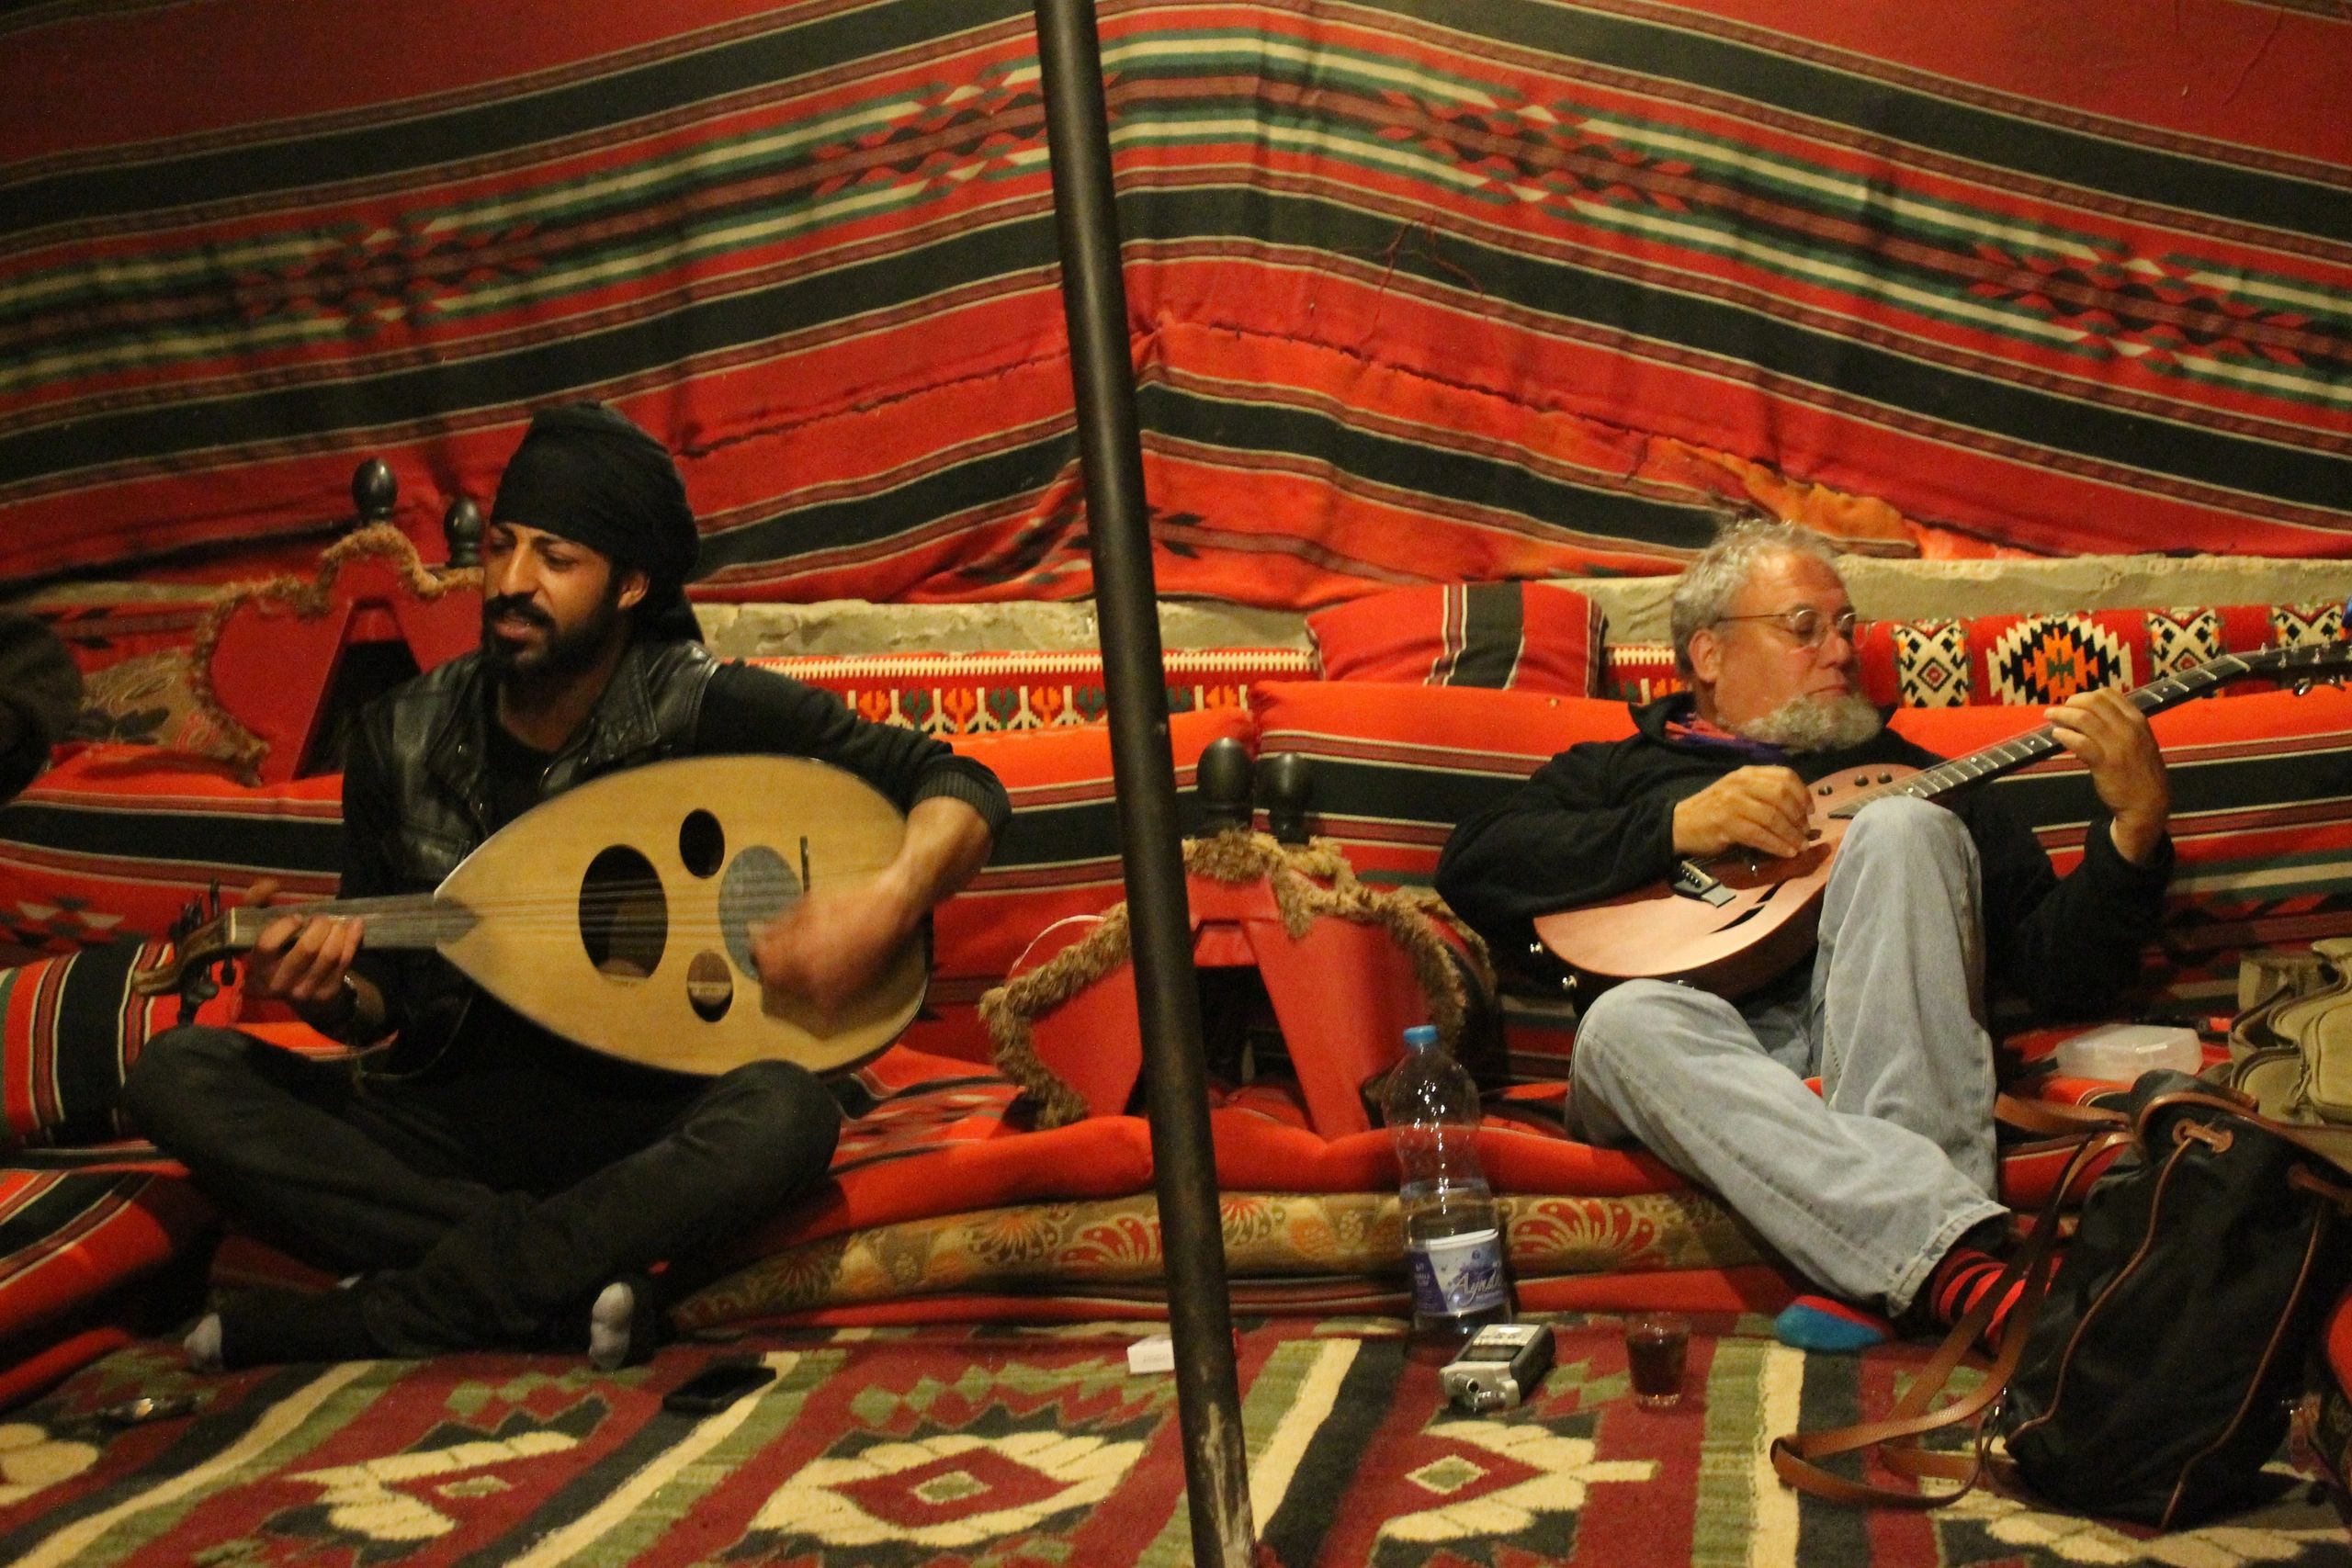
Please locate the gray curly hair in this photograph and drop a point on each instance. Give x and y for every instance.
(1711, 582)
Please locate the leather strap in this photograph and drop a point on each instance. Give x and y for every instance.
(2056, 1118)
(1795, 1456)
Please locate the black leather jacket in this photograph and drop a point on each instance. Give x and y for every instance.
(416, 802)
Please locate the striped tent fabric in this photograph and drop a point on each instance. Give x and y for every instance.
(1480, 290)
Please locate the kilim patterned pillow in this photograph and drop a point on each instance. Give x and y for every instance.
(2032, 660)
(1524, 637)
(1639, 672)
(987, 694)
(2040, 660)
(1930, 659)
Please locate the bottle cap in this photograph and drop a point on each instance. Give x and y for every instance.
(1421, 1037)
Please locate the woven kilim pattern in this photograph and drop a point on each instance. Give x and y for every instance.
(932, 1448)
(2182, 639)
(2047, 659)
(1499, 290)
(1931, 664)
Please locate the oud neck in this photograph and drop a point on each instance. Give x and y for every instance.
(2035, 744)
(398, 921)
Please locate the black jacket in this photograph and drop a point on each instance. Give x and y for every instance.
(1598, 819)
(416, 788)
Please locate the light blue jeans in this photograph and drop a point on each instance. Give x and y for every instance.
(1865, 1187)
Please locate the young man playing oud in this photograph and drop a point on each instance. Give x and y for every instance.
(518, 1190)
(1881, 1188)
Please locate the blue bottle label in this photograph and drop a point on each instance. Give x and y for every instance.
(1454, 1276)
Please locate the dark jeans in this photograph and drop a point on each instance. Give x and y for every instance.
(487, 1207)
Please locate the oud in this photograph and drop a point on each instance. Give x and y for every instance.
(1731, 923)
(620, 913)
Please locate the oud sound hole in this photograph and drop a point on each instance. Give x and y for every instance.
(759, 886)
(624, 918)
(702, 843)
(710, 987)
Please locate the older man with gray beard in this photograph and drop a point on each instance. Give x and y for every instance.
(1881, 1188)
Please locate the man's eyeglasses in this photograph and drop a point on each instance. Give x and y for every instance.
(1808, 626)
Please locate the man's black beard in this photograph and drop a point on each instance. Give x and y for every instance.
(563, 657)
(1817, 724)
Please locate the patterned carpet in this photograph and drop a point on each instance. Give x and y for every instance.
(900, 1449)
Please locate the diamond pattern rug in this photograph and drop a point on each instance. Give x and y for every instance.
(938, 1448)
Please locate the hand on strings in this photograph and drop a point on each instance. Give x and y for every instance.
(301, 959)
(831, 946)
(1758, 809)
(2127, 768)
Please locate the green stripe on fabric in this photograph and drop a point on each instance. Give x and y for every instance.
(687, 330)
(625, 1503)
(1282, 1414)
(585, 106)
(1886, 112)
(1765, 338)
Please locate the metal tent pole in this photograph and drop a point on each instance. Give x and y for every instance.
(1143, 769)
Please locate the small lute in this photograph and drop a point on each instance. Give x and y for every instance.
(619, 913)
(1733, 923)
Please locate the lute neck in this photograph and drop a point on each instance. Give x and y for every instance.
(396, 920)
(2035, 744)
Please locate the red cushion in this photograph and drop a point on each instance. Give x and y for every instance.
(1525, 636)
(67, 1238)
(1394, 767)
(116, 838)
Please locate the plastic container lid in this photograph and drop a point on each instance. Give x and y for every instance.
(2121, 1052)
(1420, 1037)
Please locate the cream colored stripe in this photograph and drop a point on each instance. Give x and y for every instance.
(1852, 192)
(276, 1423)
(591, 1527)
(1795, 264)
(1780, 1399)
(1318, 1391)
(1194, 48)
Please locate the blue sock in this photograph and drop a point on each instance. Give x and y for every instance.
(1816, 1323)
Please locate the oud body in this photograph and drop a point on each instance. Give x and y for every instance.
(620, 913)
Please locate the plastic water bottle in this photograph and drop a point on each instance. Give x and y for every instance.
(1452, 1235)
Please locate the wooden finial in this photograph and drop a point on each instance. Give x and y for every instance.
(462, 528)
(374, 490)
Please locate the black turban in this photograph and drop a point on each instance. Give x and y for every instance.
(585, 472)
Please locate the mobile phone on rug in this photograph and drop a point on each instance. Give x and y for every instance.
(717, 1386)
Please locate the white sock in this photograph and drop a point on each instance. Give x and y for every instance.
(203, 1344)
(609, 1322)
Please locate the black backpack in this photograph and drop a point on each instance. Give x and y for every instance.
(2152, 1379)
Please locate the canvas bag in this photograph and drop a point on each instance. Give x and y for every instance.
(2150, 1379)
(2292, 1046)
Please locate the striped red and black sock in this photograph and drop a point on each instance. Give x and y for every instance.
(1960, 1281)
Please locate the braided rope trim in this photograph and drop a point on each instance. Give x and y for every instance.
(1309, 882)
